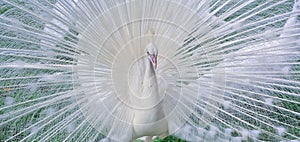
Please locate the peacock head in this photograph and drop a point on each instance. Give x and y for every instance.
(152, 54)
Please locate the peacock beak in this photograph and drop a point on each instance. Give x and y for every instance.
(154, 61)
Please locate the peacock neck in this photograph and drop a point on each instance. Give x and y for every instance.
(149, 71)
(149, 85)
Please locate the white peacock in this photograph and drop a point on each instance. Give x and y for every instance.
(202, 70)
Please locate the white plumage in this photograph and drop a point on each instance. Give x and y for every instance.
(118, 70)
(149, 118)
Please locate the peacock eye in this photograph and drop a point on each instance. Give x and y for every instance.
(148, 53)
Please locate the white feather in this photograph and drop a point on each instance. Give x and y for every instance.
(226, 70)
